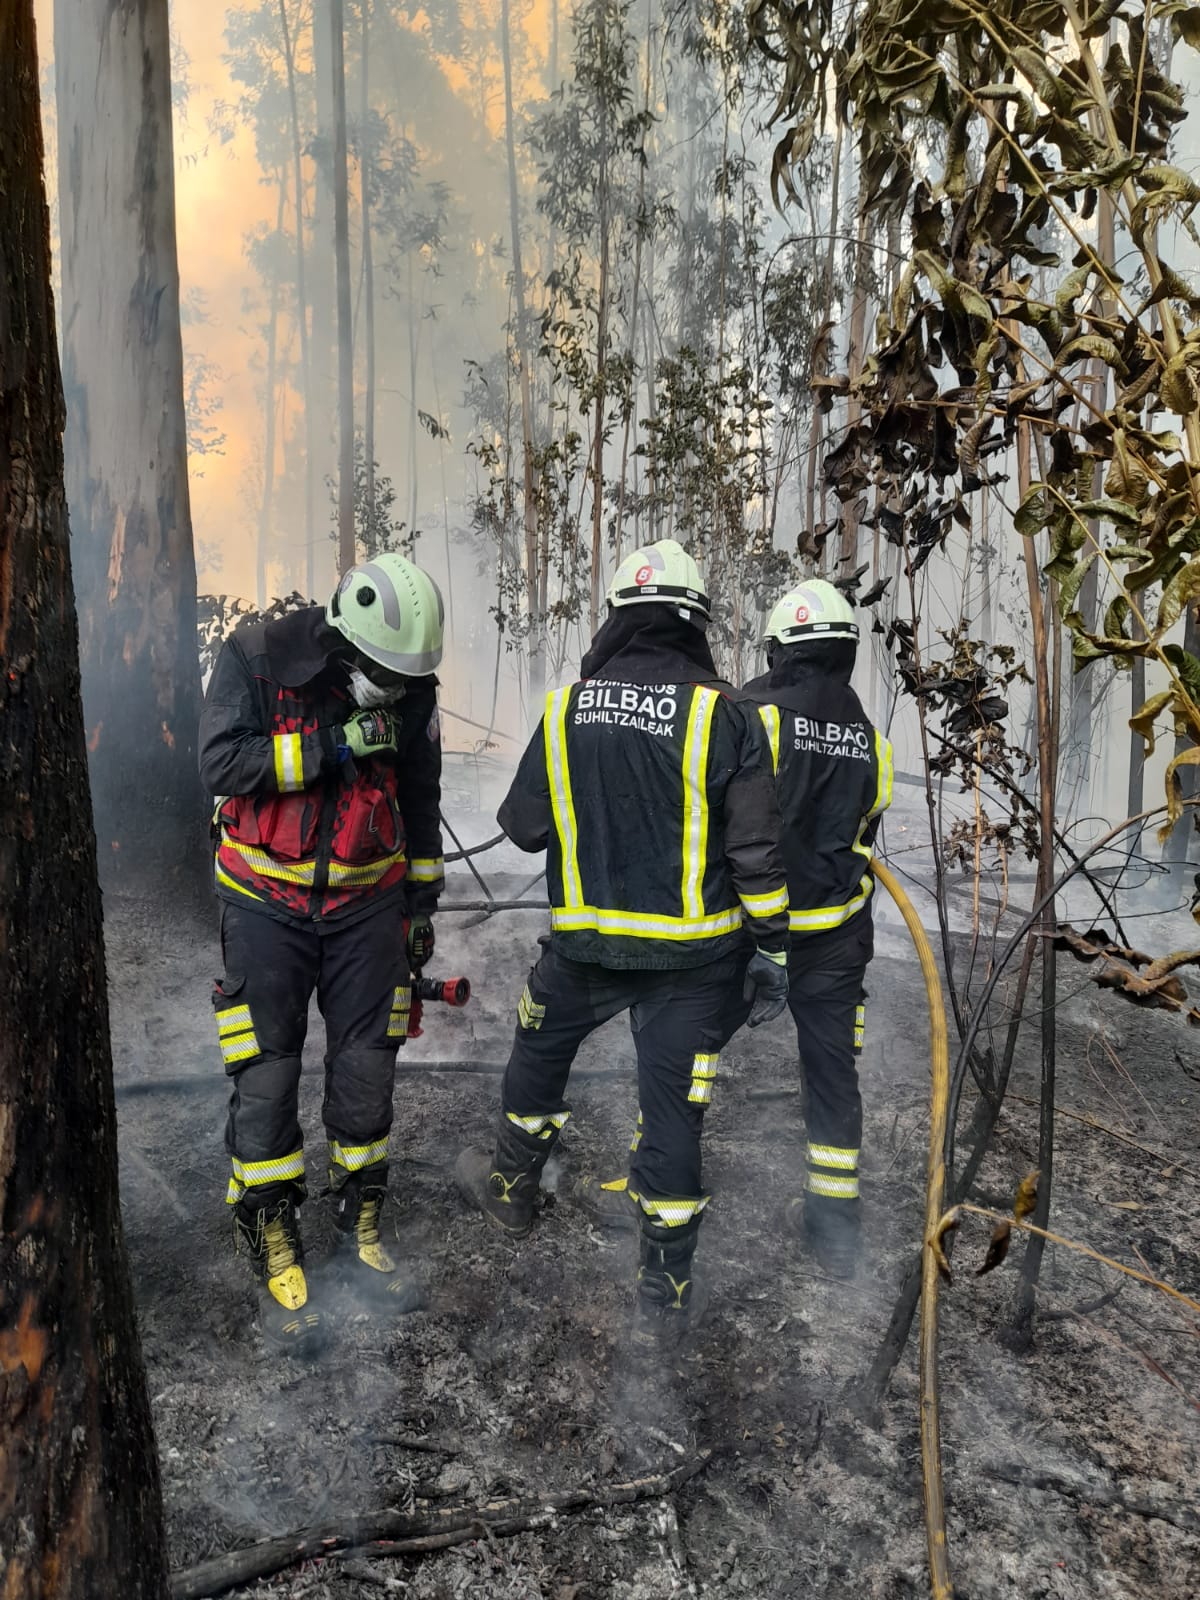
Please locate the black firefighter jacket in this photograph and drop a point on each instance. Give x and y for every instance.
(303, 835)
(834, 780)
(649, 789)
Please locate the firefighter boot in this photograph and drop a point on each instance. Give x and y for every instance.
(832, 1229)
(266, 1227)
(362, 1258)
(608, 1205)
(667, 1304)
(504, 1183)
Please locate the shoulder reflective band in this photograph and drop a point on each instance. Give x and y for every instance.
(561, 800)
(770, 721)
(422, 869)
(695, 800)
(289, 762)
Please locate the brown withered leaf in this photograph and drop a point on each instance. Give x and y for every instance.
(946, 1225)
(1095, 943)
(1026, 1201)
(997, 1249)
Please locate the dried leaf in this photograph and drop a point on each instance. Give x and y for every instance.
(946, 1225)
(1126, 1205)
(997, 1249)
(1142, 720)
(1026, 1200)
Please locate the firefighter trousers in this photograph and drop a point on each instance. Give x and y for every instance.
(676, 1020)
(826, 997)
(360, 975)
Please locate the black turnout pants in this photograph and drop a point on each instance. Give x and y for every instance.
(360, 974)
(826, 996)
(676, 1019)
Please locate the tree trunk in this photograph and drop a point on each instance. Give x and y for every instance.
(268, 488)
(345, 337)
(310, 436)
(80, 1503)
(537, 666)
(366, 168)
(322, 291)
(126, 440)
(601, 376)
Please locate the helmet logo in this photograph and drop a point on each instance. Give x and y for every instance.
(802, 613)
(366, 595)
(643, 575)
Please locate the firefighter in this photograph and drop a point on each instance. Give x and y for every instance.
(834, 779)
(651, 793)
(320, 740)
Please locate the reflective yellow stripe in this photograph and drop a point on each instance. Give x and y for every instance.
(670, 1213)
(883, 789)
(833, 1188)
(268, 867)
(234, 1019)
(240, 1047)
(695, 800)
(704, 1075)
(617, 1185)
(561, 800)
(341, 874)
(860, 1026)
(640, 925)
(356, 1156)
(423, 869)
(831, 1155)
(770, 721)
(832, 916)
(250, 1173)
(544, 1126)
(637, 1134)
(401, 1010)
(232, 883)
(765, 905)
(289, 762)
(529, 1013)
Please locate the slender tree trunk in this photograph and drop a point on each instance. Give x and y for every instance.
(848, 554)
(635, 296)
(820, 361)
(322, 277)
(414, 421)
(310, 440)
(537, 663)
(127, 481)
(366, 172)
(345, 338)
(80, 1503)
(268, 489)
(598, 411)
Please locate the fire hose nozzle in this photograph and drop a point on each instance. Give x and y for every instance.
(446, 991)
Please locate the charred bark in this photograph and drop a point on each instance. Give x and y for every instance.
(126, 439)
(80, 1505)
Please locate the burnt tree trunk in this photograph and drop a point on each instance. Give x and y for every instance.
(126, 439)
(80, 1504)
(341, 251)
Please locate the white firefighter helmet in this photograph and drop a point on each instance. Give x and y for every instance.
(663, 572)
(391, 612)
(813, 610)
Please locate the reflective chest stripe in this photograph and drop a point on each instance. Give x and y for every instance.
(695, 800)
(770, 721)
(562, 801)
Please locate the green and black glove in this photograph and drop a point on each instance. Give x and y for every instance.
(368, 733)
(766, 985)
(421, 940)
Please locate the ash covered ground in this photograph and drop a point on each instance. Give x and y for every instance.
(519, 1367)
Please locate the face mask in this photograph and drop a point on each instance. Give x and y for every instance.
(368, 695)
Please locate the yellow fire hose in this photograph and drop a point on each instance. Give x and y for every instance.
(935, 1190)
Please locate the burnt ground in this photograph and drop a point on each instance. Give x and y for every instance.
(519, 1364)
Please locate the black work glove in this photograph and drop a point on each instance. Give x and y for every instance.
(421, 940)
(766, 985)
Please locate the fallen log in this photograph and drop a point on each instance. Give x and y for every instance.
(401, 1533)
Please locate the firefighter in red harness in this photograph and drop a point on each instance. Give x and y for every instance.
(320, 741)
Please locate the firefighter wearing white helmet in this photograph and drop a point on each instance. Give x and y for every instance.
(320, 741)
(651, 793)
(834, 779)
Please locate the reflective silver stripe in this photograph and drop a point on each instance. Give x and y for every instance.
(530, 1014)
(233, 1020)
(670, 1213)
(704, 1075)
(251, 1173)
(239, 1047)
(561, 800)
(833, 1188)
(541, 1126)
(637, 1134)
(860, 1026)
(642, 925)
(766, 905)
(830, 1155)
(833, 916)
(356, 1156)
(426, 870)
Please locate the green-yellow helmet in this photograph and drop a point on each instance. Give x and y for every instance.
(392, 612)
(663, 572)
(814, 610)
